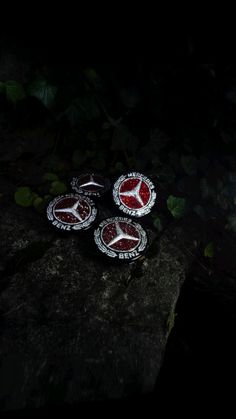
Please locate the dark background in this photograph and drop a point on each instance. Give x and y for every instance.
(181, 86)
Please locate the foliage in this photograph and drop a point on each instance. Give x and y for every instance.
(116, 125)
(57, 188)
(50, 176)
(24, 196)
(2, 87)
(199, 210)
(189, 164)
(13, 90)
(209, 250)
(157, 223)
(231, 225)
(39, 204)
(44, 91)
(176, 206)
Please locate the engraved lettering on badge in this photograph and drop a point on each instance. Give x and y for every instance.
(71, 212)
(121, 237)
(134, 194)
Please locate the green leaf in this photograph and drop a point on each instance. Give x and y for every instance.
(50, 176)
(199, 210)
(93, 77)
(24, 196)
(223, 201)
(87, 108)
(130, 96)
(53, 163)
(73, 115)
(206, 190)
(34, 195)
(47, 199)
(44, 91)
(232, 223)
(157, 223)
(176, 206)
(39, 204)
(232, 177)
(119, 167)
(189, 164)
(90, 154)
(209, 250)
(14, 91)
(58, 188)
(165, 174)
(2, 87)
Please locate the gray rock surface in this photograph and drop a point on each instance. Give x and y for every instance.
(75, 327)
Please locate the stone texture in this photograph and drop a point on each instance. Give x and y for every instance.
(75, 327)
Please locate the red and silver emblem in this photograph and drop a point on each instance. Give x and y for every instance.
(72, 212)
(90, 184)
(121, 238)
(134, 194)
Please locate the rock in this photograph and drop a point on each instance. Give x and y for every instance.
(75, 327)
(20, 229)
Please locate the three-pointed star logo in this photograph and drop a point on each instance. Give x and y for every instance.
(135, 193)
(72, 210)
(120, 235)
(91, 182)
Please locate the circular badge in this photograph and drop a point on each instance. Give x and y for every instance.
(121, 238)
(90, 184)
(71, 212)
(134, 194)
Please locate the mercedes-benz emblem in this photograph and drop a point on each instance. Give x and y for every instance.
(90, 184)
(71, 212)
(134, 194)
(121, 238)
